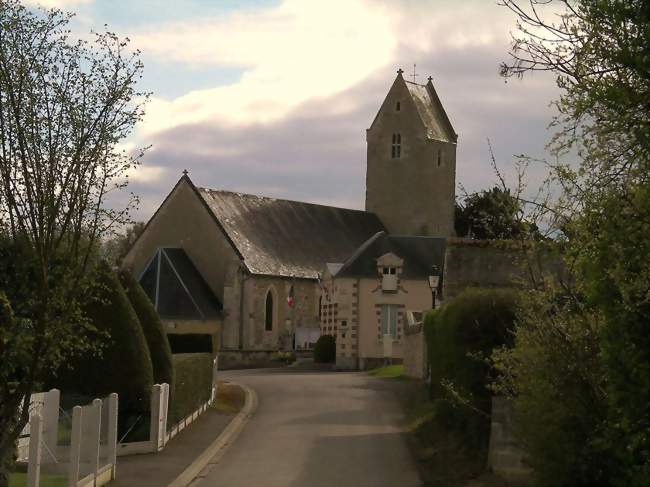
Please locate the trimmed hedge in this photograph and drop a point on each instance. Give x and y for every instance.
(325, 349)
(460, 337)
(159, 349)
(125, 364)
(193, 386)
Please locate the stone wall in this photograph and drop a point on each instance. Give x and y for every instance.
(495, 263)
(505, 458)
(246, 359)
(415, 352)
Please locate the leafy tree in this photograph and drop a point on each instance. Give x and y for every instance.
(118, 245)
(493, 214)
(588, 345)
(64, 106)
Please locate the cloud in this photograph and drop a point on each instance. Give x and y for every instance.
(62, 4)
(313, 76)
(291, 53)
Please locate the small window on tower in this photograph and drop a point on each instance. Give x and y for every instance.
(439, 158)
(396, 147)
(397, 107)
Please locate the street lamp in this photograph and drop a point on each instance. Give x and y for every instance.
(434, 283)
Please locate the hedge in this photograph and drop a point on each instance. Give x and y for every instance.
(159, 349)
(124, 365)
(460, 337)
(193, 385)
(325, 349)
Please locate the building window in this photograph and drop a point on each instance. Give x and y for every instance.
(389, 279)
(396, 147)
(268, 315)
(389, 270)
(439, 158)
(397, 107)
(389, 320)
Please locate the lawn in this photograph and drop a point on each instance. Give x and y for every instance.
(20, 480)
(230, 398)
(388, 372)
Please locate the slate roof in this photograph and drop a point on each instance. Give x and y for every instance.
(288, 238)
(420, 254)
(431, 111)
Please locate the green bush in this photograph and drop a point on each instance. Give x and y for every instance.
(460, 337)
(161, 354)
(193, 373)
(123, 365)
(325, 349)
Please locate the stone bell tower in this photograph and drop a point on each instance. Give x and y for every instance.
(411, 162)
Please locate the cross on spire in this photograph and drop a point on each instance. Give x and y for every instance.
(414, 73)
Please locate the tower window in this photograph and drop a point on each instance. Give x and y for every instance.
(439, 158)
(398, 107)
(396, 147)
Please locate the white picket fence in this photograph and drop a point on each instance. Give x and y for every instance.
(159, 433)
(91, 456)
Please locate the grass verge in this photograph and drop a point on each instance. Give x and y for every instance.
(442, 456)
(389, 372)
(20, 480)
(230, 398)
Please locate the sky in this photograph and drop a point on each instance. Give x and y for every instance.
(273, 97)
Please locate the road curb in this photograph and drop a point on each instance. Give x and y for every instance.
(193, 474)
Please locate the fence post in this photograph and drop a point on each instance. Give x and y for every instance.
(35, 438)
(215, 367)
(75, 445)
(164, 413)
(111, 436)
(95, 435)
(154, 427)
(51, 420)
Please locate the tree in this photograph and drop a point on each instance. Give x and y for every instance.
(118, 245)
(599, 51)
(493, 214)
(64, 106)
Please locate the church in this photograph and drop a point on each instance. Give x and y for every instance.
(253, 275)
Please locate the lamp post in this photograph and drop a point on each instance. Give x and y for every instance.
(434, 283)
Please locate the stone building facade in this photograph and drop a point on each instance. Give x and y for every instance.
(258, 261)
(365, 300)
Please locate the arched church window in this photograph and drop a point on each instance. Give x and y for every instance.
(398, 106)
(269, 311)
(396, 147)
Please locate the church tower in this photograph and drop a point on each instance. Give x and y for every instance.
(411, 162)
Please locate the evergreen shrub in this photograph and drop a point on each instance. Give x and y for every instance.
(159, 349)
(325, 349)
(123, 364)
(460, 338)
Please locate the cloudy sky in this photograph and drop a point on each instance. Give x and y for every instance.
(274, 96)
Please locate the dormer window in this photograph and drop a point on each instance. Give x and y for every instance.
(396, 147)
(398, 106)
(389, 279)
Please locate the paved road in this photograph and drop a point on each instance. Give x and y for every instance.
(329, 429)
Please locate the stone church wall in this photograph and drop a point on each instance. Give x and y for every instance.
(304, 312)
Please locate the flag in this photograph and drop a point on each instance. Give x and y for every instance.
(290, 297)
